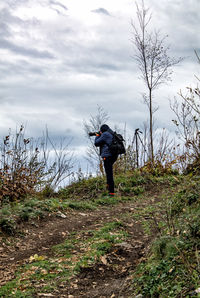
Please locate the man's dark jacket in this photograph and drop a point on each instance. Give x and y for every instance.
(103, 141)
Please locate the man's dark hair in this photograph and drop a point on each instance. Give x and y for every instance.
(104, 127)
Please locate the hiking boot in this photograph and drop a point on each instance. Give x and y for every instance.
(111, 194)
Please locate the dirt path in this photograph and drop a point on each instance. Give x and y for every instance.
(109, 278)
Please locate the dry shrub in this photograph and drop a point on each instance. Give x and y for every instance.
(20, 169)
(25, 165)
(158, 168)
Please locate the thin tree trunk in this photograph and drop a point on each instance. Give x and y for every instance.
(151, 125)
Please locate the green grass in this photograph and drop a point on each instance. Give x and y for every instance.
(11, 215)
(173, 269)
(87, 194)
(81, 205)
(80, 250)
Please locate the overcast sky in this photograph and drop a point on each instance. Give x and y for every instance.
(62, 58)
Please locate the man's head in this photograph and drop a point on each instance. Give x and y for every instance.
(104, 127)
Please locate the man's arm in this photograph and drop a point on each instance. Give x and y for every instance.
(99, 140)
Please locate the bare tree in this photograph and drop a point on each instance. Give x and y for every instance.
(153, 60)
(93, 125)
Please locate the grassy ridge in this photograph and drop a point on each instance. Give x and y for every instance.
(172, 268)
(83, 195)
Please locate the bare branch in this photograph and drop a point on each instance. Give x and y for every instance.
(151, 55)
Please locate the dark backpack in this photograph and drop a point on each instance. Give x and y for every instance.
(117, 146)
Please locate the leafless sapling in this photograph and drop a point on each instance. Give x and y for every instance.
(154, 62)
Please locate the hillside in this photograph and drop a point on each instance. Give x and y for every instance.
(81, 243)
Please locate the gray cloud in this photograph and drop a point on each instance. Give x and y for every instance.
(179, 20)
(14, 3)
(58, 4)
(99, 56)
(7, 34)
(6, 16)
(19, 69)
(6, 20)
(58, 7)
(4, 30)
(24, 51)
(101, 11)
(88, 64)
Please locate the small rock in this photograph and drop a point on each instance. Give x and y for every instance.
(60, 214)
(139, 296)
(45, 294)
(197, 290)
(83, 214)
(125, 245)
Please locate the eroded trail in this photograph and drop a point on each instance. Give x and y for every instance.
(106, 271)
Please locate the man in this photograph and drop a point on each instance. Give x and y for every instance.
(104, 140)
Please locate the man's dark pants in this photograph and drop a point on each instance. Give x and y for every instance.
(108, 166)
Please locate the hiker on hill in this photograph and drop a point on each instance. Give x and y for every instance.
(104, 140)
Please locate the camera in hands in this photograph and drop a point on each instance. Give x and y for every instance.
(93, 134)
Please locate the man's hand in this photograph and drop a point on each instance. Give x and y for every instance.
(98, 133)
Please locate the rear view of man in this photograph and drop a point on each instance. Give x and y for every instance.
(104, 140)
